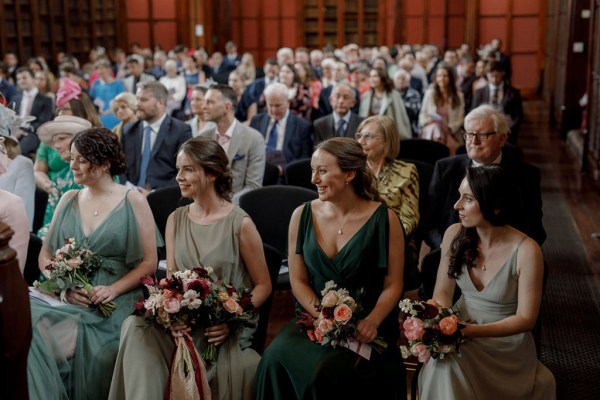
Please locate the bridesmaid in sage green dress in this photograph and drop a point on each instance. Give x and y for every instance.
(210, 232)
(347, 235)
(74, 347)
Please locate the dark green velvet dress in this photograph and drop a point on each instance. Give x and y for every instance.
(293, 367)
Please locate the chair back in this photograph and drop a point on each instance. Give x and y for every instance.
(425, 150)
(271, 175)
(32, 270)
(39, 210)
(273, 258)
(162, 203)
(297, 173)
(271, 208)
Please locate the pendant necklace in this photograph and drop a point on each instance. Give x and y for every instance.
(340, 227)
(96, 213)
(493, 250)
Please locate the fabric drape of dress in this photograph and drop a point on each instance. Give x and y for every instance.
(144, 359)
(293, 367)
(489, 368)
(73, 350)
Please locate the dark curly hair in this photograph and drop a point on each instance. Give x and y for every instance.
(350, 157)
(208, 154)
(100, 146)
(491, 188)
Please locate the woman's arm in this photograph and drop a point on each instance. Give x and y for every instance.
(392, 285)
(40, 171)
(170, 243)
(254, 257)
(299, 278)
(147, 266)
(444, 285)
(427, 108)
(530, 268)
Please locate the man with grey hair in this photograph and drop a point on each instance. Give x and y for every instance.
(285, 55)
(411, 97)
(486, 133)
(340, 74)
(151, 144)
(287, 137)
(135, 68)
(342, 121)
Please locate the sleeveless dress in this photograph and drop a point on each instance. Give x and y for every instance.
(74, 348)
(489, 368)
(293, 367)
(144, 359)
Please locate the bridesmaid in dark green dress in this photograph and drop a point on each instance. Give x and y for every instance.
(350, 237)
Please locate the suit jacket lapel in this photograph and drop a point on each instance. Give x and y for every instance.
(290, 127)
(163, 131)
(352, 125)
(235, 143)
(386, 100)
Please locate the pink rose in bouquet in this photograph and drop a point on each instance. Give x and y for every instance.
(413, 328)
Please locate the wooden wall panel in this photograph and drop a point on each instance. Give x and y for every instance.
(414, 30)
(164, 9)
(165, 34)
(526, 7)
(525, 32)
(138, 32)
(492, 27)
(494, 7)
(137, 9)
(525, 70)
(456, 31)
(435, 31)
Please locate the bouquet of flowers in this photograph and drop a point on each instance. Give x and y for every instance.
(336, 323)
(431, 330)
(72, 266)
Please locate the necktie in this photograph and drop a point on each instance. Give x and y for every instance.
(495, 96)
(341, 130)
(272, 143)
(145, 157)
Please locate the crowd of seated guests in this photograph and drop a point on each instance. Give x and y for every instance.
(375, 98)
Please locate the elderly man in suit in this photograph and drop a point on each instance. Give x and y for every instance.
(485, 136)
(31, 103)
(151, 143)
(501, 95)
(135, 66)
(342, 121)
(287, 137)
(244, 146)
(340, 74)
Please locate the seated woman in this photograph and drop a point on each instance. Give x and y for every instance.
(209, 232)
(348, 236)
(500, 271)
(124, 107)
(74, 347)
(397, 182)
(198, 123)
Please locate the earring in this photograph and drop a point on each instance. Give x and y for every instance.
(347, 182)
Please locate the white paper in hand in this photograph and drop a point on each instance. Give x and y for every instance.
(362, 349)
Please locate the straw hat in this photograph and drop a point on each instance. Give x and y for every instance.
(63, 124)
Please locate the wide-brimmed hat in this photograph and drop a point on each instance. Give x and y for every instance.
(63, 124)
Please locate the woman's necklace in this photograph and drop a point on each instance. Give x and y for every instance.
(494, 247)
(341, 226)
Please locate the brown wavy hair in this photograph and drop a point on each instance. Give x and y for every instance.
(100, 146)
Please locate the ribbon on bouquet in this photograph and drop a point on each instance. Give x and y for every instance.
(187, 378)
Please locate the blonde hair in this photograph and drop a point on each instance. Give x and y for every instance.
(388, 128)
(125, 97)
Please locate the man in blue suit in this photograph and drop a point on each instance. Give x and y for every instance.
(287, 137)
(151, 144)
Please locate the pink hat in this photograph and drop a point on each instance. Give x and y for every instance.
(67, 92)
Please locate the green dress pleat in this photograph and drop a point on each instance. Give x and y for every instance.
(293, 367)
(54, 370)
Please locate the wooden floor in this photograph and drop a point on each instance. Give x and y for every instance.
(544, 148)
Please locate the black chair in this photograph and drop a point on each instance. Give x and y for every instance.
(271, 175)
(428, 151)
(39, 210)
(297, 173)
(273, 258)
(32, 270)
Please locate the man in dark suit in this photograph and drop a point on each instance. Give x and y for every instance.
(340, 74)
(288, 137)
(151, 144)
(31, 103)
(501, 95)
(486, 132)
(343, 98)
(7, 89)
(253, 91)
(232, 59)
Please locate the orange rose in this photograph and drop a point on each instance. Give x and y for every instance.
(448, 326)
(232, 306)
(342, 313)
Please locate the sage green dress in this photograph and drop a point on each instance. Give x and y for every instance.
(145, 352)
(73, 350)
(293, 367)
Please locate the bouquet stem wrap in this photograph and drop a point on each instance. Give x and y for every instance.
(187, 379)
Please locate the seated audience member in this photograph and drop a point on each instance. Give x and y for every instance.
(340, 73)
(342, 122)
(236, 82)
(198, 122)
(486, 133)
(382, 99)
(176, 88)
(7, 89)
(71, 100)
(232, 59)
(152, 142)
(135, 67)
(359, 77)
(103, 90)
(230, 245)
(123, 106)
(307, 77)
(18, 177)
(502, 96)
(74, 346)
(247, 69)
(30, 103)
(316, 59)
(350, 237)
(253, 92)
(500, 272)
(297, 94)
(397, 182)
(244, 146)
(442, 112)
(410, 97)
(287, 136)
(157, 70)
(466, 79)
(12, 213)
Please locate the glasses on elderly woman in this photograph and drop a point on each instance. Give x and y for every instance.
(366, 136)
(483, 136)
